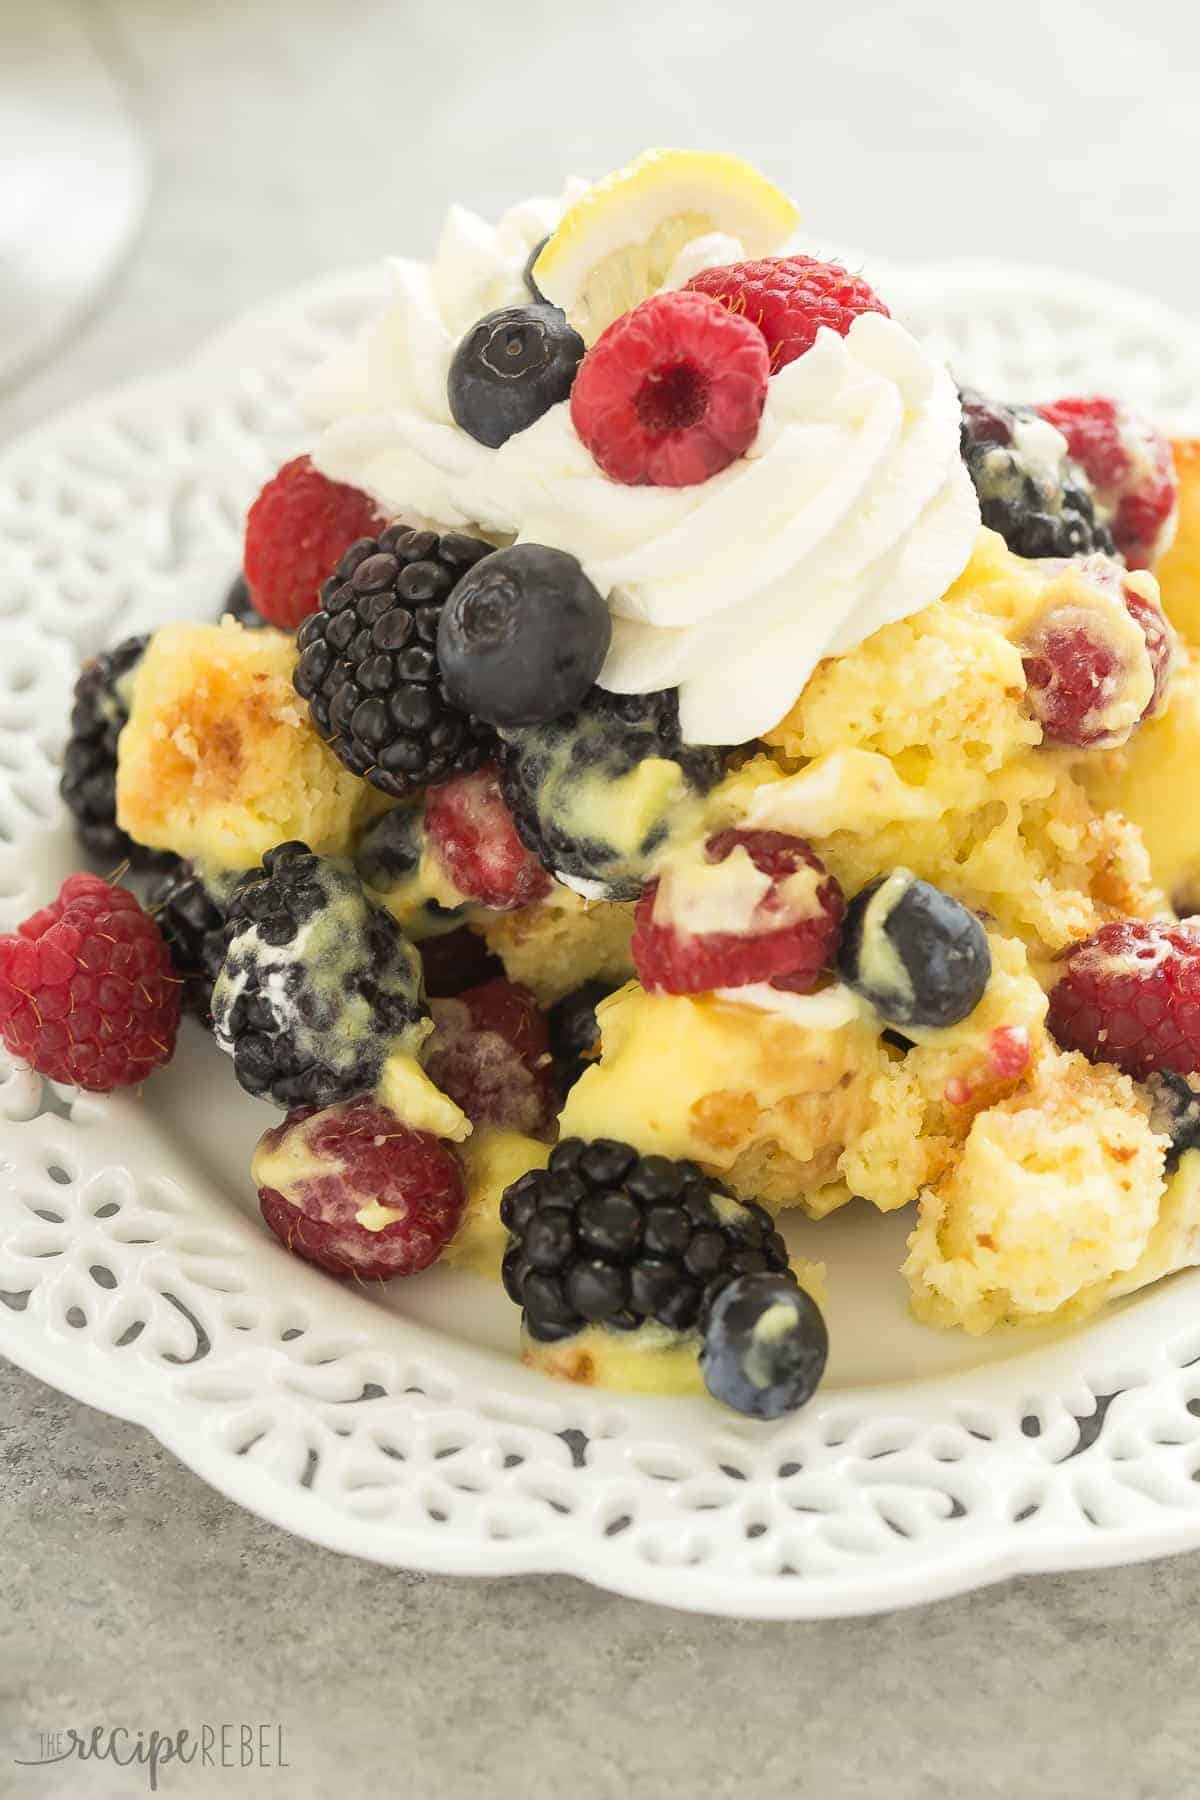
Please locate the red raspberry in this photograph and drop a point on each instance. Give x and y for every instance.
(1130, 995)
(87, 991)
(789, 298)
(296, 531)
(1131, 467)
(792, 932)
(1079, 677)
(332, 1215)
(470, 830)
(671, 393)
(455, 961)
(490, 1051)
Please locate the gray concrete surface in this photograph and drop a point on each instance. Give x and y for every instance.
(292, 138)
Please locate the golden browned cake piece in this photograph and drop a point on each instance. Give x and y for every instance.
(219, 761)
(1179, 570)
(561, 942)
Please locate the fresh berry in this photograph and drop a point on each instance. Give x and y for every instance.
(671, 392)
(1130, 995)
(1175, 1112)
(1131, 469)
(490, 1052)
(472, 835)
(356, 1191)
(455, 961)
(296, 530)
(523, 637)
(789, 299)
(390, 858)
(604, 1236)
(765, 1346)
(918, 955)
(1087, 669)
(554, 779)
(87, 992)
(318, 986)
(512, 366)
(368, 664)
(1030, 489)
(788, 910)
(238, 603)
(89, 777)
(575, 1032)
(190, 913)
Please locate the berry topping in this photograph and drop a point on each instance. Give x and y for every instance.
(238, 602)
(575, 1032)
(1099, 662)
(789, 298)
(471, 833)
(1175, 1112)
(604, 1236)
(592, 793)
(190, 913)
(318, 987)
(356, 1191)
(1131, 468)
(455, 961)
(765, 1346)
(672, 392)
(1130, 995)
(523, 637)
(757, 906)
(512, 366)
(87, 992)
(296, 530)
(368, 664)
(490, 1052)
(918, 955)
(89, 777)
(1030, 490)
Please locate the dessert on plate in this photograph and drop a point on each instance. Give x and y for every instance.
(672, 757)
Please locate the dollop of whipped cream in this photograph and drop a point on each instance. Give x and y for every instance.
(851, 509)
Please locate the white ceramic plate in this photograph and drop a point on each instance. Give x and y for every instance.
(397, 1425)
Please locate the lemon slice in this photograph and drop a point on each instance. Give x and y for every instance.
(615, 246)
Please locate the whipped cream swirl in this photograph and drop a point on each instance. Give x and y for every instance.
(852, 508)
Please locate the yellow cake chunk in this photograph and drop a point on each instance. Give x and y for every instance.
(1179, 570)
(219, 761)
(561, 942)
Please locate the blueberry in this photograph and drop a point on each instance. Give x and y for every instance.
(765, 1346)
(512, 366)
(918, 955)
(522, 637)
(1175, 1112)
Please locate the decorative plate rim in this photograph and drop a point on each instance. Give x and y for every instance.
(1076, 1452)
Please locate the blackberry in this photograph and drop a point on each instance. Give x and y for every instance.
(1175, 1112)
(1030, 491)
(89, 776)
(603, 1236)
(190, 913)
(369, 668)
(318, 986)
(238, 602)
(559, 780)
(575, 1032)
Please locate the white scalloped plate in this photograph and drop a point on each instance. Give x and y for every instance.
(134, 1272)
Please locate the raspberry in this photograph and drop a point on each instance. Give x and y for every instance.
(788, 931)
(789, 298)
(356, 1191)
(1131, 468)
(471, 832)
(1084, 676)
(296, 530)
(490, 1051)
(672, 392)
(1130, 995)
(87, 992)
